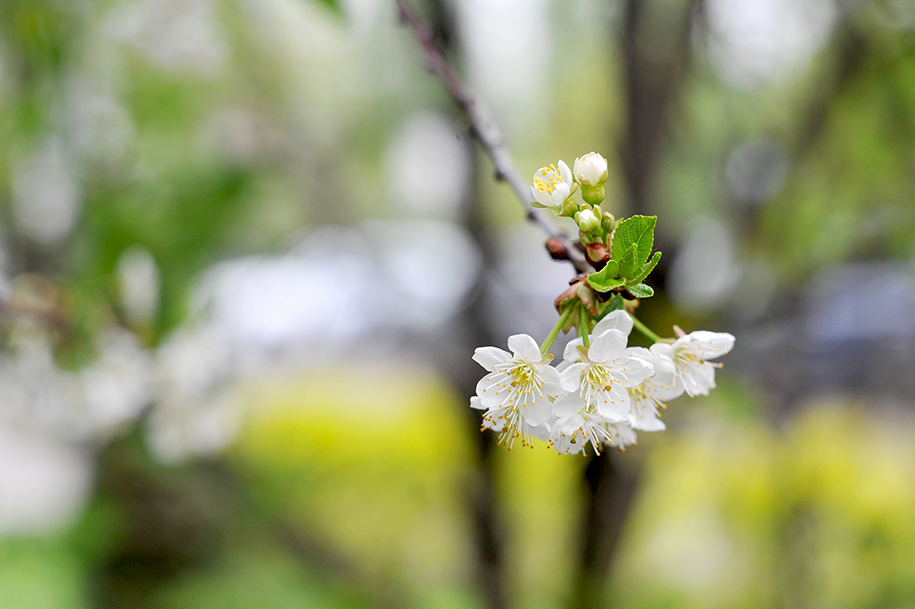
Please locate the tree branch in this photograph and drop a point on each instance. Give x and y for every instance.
(484, 130)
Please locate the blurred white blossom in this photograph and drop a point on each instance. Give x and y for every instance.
(44, 483)
(178, 34)
(118, 385)
(197, 411)
(46, 197)
(139, 281)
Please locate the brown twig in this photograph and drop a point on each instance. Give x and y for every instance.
(484, 129)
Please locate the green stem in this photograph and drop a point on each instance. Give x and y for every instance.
(551, 337)
(644, 329)
(583, 328)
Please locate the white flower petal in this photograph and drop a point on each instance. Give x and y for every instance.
(663, 350)
(490, 357)
(614, 320)
(570, 353)
(552, 187)
(622, 434)
(492, 389)
(525, 348)
(636, 370)
(569, 425)
(541, 197)
(565, 173)
(571, 376)
(552, 383)
(643, 413)
(613, 404)
(607, 347)
(541, 432)
(698, 379)
(569, 405)
(709, 345)
(537, 409)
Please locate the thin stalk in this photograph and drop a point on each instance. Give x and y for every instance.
(551, 337)
(644, 329)
(583, 328)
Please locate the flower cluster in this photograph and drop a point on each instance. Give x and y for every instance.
(603, 391)
(599, 394)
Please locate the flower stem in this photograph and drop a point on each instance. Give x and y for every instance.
(583, 329)
(644, 329)
(551, 337)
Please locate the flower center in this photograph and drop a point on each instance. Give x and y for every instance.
(548, 180)
(598, 379)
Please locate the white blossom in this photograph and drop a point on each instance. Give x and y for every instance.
(653, 393)
(690, 353)
(517, 393)
(496, 420)
(552, 186)
(574, 427)
(621, 435)
(590, 169)
(602, 375)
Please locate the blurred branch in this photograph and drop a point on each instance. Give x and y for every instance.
(484, 129)
(479, 491)
(611, 493)
(656, 51)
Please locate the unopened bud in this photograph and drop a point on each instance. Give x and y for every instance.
(588, 297)
(588, 222)
(597, 253)
(570, 292)
(590, 170)
(593, 194)
(557, 249)
(569, 208)
(607, 222)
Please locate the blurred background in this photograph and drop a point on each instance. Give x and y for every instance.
(247, 248)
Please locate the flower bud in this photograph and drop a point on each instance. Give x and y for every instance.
(588, 222)
(587, 296)
(607, 222)
(597, 253)
(569, 208)
(590, 170)
(557, 249)
(593, 194)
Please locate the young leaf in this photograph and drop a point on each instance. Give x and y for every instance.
(607, 278)
(638, 230)
(641, 291)
(645, 270)
(629, 265)
(604, 284)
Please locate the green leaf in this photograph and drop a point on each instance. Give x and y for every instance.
(629, 265)
(641, 291)
(607, 278)
(638, 230)
(614, 304)
(604, 285)
(645, 270)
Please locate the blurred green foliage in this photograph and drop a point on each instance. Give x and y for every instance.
(734, 511)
